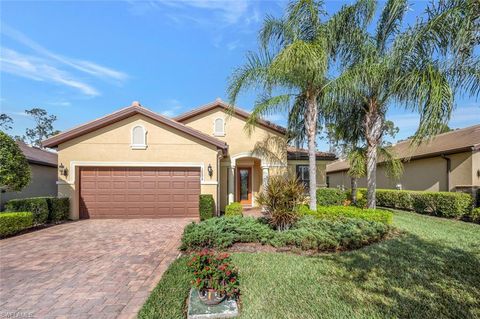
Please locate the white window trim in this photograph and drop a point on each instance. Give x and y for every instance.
(138, 146)
(215, 133)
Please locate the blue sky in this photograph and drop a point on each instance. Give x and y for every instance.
(82, 60)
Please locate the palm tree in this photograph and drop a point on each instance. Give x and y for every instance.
(295, 55)
(419, 68)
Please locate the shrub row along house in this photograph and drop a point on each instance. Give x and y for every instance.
(137, 163)
(43, 165)
(449, 162)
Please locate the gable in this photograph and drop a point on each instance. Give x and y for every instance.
(124, 114)
(236, 136)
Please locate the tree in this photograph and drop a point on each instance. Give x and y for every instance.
(14, 168)
(6, 122)
(295, 55)
(43, 126)
(419, 68)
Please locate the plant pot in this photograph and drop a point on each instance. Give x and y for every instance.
(210, 297)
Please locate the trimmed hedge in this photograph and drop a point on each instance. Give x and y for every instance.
(331, 196)
(474, 215)
(207, 206)
(38, 206)
(442, 204)
(234, 209)
(12, 223)
(58, 209)
(308, 233)
(377, 215)
(44, 209)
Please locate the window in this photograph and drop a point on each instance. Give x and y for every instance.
(219, 127)
(303, 175)
(139, 136)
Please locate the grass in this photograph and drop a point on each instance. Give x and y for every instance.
(431, 271)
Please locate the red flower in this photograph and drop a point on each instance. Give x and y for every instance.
(232, 280)
(229, 273)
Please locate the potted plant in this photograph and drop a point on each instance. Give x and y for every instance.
(214, 276)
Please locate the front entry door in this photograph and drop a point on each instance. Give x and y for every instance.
(244, 185)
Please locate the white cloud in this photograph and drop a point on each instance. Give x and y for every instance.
(39, 69)
(173, 106)
(60, 103)
(80, 65)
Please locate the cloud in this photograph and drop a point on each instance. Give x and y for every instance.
(60, 103)
(173, 106)
(80, 65)
(39, 69)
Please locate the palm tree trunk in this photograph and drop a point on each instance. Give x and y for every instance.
(373, 131)
(311, 116)
(354, 190)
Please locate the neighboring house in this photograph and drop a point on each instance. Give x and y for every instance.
(43, 165)
(137, 163)
(448, 162)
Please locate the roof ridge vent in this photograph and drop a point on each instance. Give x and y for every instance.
(136, 104)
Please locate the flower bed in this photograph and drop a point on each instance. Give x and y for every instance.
(308, 233)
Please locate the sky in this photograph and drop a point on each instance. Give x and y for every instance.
(81, 60)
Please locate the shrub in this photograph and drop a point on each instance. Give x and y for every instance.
(308, 233)
(333, 212)
(474, 215)
(279, 198)
(38, 206)
(15, 172)
(12, 223)
(223, 232)
(214, 271)
(234, 209)
(331, 196)
(58, 209)
(443, 204)
(207, 206)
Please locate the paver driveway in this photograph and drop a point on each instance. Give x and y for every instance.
(86, 269)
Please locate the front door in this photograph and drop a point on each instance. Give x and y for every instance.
(244, 185)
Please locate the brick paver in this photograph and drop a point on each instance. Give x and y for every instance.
(86, 269)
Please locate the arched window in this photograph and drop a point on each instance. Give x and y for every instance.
(219, 127)
(139, 137)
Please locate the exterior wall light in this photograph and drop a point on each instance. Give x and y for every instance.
(63, 170)
(210, 170)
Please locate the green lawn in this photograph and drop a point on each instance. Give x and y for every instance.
(431, 271)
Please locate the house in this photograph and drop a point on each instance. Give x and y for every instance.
(448, 162)
(43, 165)
(137, 163)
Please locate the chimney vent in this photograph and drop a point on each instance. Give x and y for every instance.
(136, 103)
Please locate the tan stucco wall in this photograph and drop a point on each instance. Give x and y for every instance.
(428, 174)
(42, 183)
(111, 144)
(321, 170)
(476, 168)
(235, 135)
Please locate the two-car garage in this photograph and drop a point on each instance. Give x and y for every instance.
(139, 192)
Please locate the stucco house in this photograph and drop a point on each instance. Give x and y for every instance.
(43, 166)
(137, 163)
(448, 162)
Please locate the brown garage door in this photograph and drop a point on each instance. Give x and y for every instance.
(139, 192)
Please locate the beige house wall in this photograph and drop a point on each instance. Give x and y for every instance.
(42, 183)
(238, 140)
(429, 174)
(476, 168)
(321, 170)
(110, 146)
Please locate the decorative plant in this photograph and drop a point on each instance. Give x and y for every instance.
(214, 271)
(279, 198)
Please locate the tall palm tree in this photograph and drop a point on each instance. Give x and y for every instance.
(294, 59)
(419, 68)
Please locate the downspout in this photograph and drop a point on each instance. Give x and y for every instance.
(449, 167)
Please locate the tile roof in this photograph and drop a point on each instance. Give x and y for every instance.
(294, 153)
(456, 141)
(36, 155)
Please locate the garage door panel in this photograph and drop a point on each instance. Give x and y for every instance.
(139, 192)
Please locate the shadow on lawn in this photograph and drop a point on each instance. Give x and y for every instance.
(408, 277)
